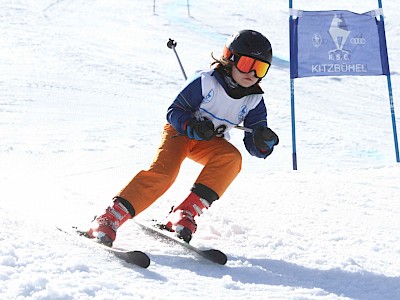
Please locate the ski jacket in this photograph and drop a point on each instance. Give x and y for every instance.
(206, 95)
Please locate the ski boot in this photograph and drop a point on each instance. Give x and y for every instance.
(181, 218)
(104, 228)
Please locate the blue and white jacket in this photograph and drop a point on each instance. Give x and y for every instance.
(214, 95)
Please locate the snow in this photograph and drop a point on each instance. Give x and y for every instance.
(84, 87)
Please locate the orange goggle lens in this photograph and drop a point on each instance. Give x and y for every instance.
(247, 64)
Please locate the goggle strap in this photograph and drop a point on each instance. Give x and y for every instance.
(227, 53)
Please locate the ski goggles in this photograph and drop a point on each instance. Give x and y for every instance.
(247, 64)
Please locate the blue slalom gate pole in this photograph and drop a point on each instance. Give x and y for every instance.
(396, 144)
(294, 153)
(389, 83)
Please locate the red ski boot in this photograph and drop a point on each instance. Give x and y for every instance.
(104, 228)
(181, 219)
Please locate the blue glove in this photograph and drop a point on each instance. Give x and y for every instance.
(265, 139)
(200, 130)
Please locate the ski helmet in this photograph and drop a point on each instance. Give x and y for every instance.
(249, 43)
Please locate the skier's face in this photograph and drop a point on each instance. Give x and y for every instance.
(244, 79)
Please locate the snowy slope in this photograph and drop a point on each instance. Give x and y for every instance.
(84, 87)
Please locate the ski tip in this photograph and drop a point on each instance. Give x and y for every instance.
(134, 257)
(216, 256)
(140, 258)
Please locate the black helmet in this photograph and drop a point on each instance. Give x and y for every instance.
(249, 43)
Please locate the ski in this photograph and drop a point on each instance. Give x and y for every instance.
(134, 257)
(213, 255)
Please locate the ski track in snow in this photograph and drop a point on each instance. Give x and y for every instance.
(83, 92)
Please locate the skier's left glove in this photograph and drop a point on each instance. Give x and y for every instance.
(265, 139)
(200, 130)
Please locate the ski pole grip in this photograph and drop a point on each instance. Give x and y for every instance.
(171, 44)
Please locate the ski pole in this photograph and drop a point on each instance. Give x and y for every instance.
(172, 45)
(246, 129)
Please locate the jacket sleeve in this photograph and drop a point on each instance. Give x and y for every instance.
(185, 104)
(256, 117)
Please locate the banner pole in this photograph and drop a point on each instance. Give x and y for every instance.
(389, 84)
(294, 153)
(396, 144)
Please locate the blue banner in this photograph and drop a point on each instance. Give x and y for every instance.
(337, 43)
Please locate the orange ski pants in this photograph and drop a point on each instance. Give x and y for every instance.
(221, 160)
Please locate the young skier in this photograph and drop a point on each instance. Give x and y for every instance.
(199, 120)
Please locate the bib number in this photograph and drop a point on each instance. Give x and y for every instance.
(219, 131)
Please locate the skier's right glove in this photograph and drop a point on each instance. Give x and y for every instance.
(200, 130)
